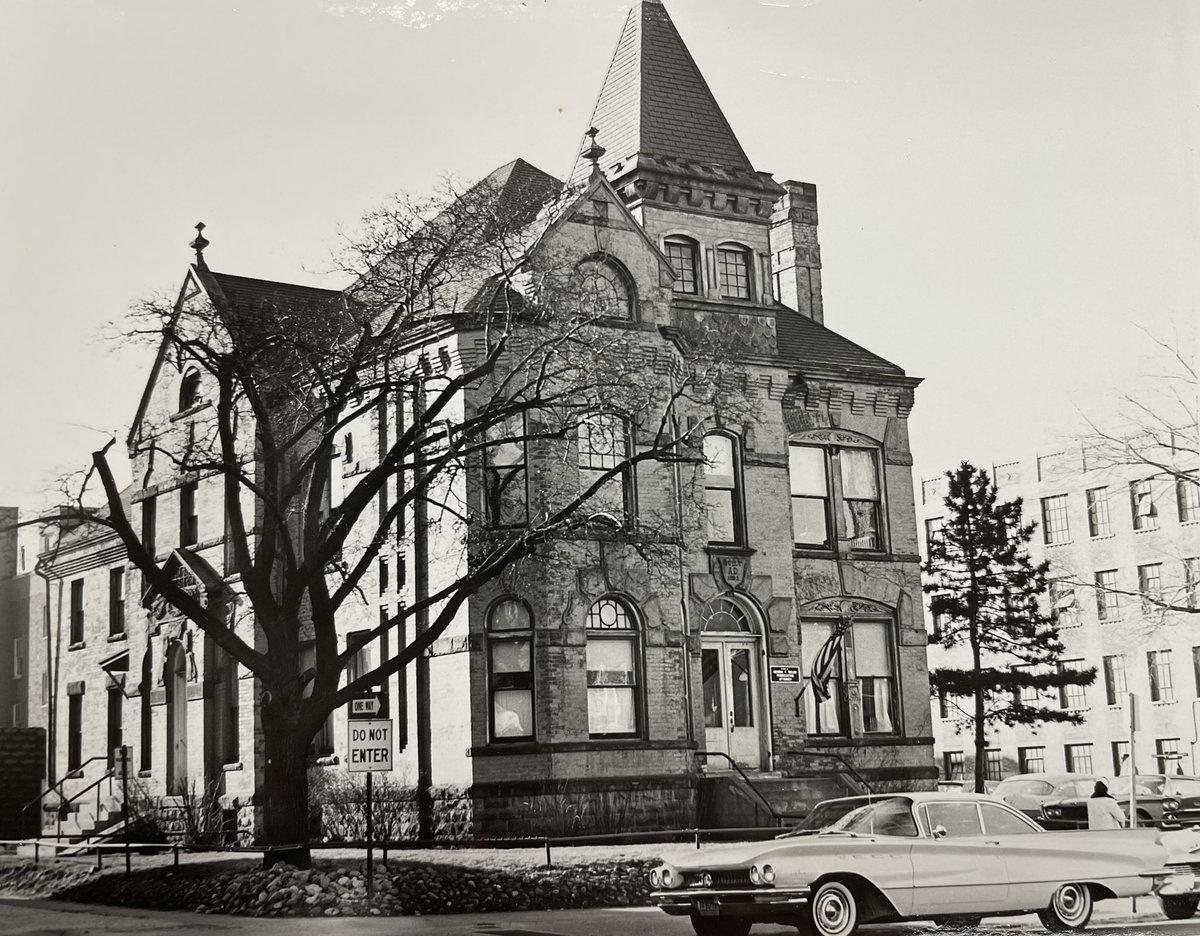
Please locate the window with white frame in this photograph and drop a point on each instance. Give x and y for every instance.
(722, 489)
(875, 668)
(835, 481)
(505, 473)
(953, 765)
(1079, 758)
(1063, 607)
(1150, 585)
(733, 270)
(1115, 684)
(1056, 527)
(613, 655)
(1162, 685)
(1142, 506)
(1099, 523)
(683, 252)
(510, 670)
(1187, 496)
(1072, 696)
(1031, 759)
(603, 445)
(1108, 601)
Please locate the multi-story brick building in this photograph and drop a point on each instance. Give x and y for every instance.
(603, 676)
(21, 605)
(1111, 534)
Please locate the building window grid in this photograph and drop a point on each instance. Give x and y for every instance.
(1079, 758)
(1141, 505)
(1115, 683)
(733, 265)
(1150, 586)
(1158, 665)
(682, 254)
(1108, 602)
(1167, 756)
(1099, 522)
(1072, 696)
(1187, 496)
(1031, 759)
(1056, 527)
(954, 765)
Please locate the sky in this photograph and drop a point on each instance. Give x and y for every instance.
(1009, 191)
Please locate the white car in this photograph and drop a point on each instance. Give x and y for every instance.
(948, 857)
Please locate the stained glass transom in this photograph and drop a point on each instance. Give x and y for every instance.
(725, 616)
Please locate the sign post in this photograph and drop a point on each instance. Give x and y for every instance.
(125, 752)
(369, 749)
(1133, 727)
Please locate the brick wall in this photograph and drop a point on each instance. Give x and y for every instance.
(23, 754)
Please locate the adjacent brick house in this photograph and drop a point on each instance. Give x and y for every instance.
(600, 680)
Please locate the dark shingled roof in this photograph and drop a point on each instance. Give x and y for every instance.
(802, 341)
(521, 190)
(655, 101)
(243, 292)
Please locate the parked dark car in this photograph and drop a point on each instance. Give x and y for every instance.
(1027, 792)
(1182, 810)
(1153, 791)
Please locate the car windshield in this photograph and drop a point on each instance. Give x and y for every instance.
(1021, 787)
(1146, 786)
(826, 814)
(884, 817)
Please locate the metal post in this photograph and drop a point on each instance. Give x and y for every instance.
(175, 849)
(99, 857)
(697, 839)
(1133, 727)
(547, 853)
(37, 845)
(125, 806)
(370, 834)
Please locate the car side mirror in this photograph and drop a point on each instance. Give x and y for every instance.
(939, 831)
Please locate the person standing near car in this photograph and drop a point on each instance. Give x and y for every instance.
(1103, 812)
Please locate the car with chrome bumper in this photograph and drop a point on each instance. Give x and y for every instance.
(948, 857)
(1154, 792)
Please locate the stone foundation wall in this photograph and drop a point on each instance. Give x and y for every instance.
(23, 754)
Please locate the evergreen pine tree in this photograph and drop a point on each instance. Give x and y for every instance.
(986, 592)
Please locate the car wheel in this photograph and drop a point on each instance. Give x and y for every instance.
(832, 910)
(1179, 906)
(716, 926)
(960, 923)
(1070, 909)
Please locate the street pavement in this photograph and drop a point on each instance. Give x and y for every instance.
(19, 917)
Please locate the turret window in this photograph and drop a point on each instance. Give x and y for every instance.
(733, 265)
(682, 253)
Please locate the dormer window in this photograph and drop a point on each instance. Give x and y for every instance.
(683, 253)
(733, 266)
(604, 291)
(189, 390)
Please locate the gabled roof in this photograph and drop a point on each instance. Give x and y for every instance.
(654, 101)
(244, 293)
(802, 341)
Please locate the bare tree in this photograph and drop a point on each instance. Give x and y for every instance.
(478, 329)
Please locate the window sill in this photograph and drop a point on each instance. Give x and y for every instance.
(190, 411)
(230, 768)
(1061, 543)
(1148, 530)
(1103, 536)
(78, 645)
(1163, 702)
(145, 773)
(117, 638)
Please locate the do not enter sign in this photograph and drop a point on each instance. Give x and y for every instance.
(370, 746)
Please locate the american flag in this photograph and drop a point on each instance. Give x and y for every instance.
(824, 663)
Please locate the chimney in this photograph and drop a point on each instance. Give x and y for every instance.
(795, 253)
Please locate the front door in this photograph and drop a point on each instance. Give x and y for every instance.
(732, 719)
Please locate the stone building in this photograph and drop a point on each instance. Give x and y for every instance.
(1111, 534)
(20, 611)
(601, 681)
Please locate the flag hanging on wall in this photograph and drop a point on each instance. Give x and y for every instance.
(824, 664)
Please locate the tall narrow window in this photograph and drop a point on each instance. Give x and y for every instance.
(149, 525)
(993, 768)
(505, 474)
(1150, 586)
(860, 496)
(722, 494)
(1097, 505)
(146, 743)
(733, 267)
(77, 611)
(1056, 527)
(229, 705)
(810, 495)
(19, 658)
(1115, 685)
(612, 670)
(1142, 506)
(116, 721)
(189, 390)
(1120, 754)
(116, 601)
(933, 530)
(1191, 582)
(510, 670)
(1162, 686)
(875, 669)
(1108, 601)
(1187, 496)
(1072, 696)
(189, 527)
(825, 711)
(603, 446)
(74, 729)
(682, 252)
(1196, 668)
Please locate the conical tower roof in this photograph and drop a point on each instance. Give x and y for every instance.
(654, 101)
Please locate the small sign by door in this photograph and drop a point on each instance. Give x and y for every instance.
(789, 674)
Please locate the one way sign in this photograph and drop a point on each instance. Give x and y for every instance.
(370, 705)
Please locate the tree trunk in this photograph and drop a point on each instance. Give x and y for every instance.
(980, 741)
(284, 792)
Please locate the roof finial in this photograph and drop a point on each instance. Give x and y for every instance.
(199, 244)
(594, 150)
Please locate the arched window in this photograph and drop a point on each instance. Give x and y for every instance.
(613, 664)
(604, 291)
(722, 489)
(189, 390)
(725, 616)
(733, 267)
(510, 670)
(684, 253)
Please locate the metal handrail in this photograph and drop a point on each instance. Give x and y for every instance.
(837, 757)
(770, 809)
(73, 774)
(63, 806)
